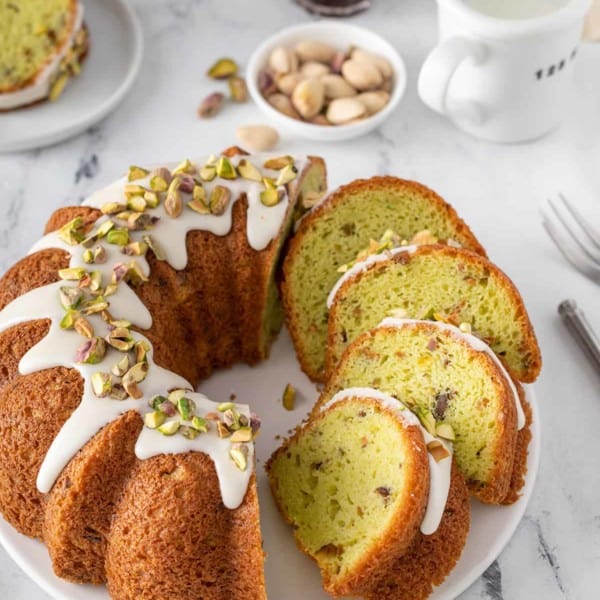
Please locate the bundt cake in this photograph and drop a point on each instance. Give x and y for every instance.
(42, 46)
(449, 284)
(364, 485)
(456, 386)
(126, 304)
(336, 230)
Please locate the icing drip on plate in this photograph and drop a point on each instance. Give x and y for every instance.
(439, 471)
(89, 280)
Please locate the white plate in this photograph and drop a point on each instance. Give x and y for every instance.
(113, 61)
(290, 574)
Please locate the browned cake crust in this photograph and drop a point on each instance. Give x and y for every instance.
(531, 358)
(517, 480)
(431, 557)
(192, 545)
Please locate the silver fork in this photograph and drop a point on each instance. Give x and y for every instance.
(578, 241)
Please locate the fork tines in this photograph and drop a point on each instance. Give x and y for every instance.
(574, 236)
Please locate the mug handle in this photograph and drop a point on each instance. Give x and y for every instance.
(437, 72)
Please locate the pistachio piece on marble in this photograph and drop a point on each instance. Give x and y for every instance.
(211, 105)
(152, 245)
(258, 138)
(238, 90)
(222, 69)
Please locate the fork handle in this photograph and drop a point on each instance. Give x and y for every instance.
(581, 330)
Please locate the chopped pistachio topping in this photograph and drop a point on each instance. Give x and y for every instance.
(225, 406)
(186, 408)
(289, 397)
(223, 69)
(219, 199)
(270, 197)
(287, 174)
(225, 169)
(70, 297)
(152, 245)
(73, 232)
(101, 384)
(437, 450)
(248, 171)
(118, 236)
(199, 424)
(154, 419)
(243, 434)
(169, 428)
(239, 454)
(445, 430)
(72, 274)
(278, 163)
(136, 173)
(112, 208)
(208, 173)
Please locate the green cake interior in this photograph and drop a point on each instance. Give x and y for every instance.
(338, 485)
(437, 376)
(335, 238)
(442, 284)
(30, 32)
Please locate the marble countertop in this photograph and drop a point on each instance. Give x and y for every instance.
(498, 189)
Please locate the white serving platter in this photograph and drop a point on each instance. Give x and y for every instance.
(291, 575)
(116, 47)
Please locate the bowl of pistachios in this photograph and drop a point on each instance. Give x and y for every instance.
(326, 80)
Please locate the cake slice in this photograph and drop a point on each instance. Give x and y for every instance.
(42, 45)
(336, 230)
(456, 386)
(438, 282)
(358, 485)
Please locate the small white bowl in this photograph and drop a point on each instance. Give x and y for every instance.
(342, 36)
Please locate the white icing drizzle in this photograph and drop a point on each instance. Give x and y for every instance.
(59, 346)
(40, 88)
(475, 343)
(439, 472)
(363, 265)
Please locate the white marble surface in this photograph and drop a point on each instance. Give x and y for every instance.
(555, 553)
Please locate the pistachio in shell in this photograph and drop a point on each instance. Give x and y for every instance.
(223, 68)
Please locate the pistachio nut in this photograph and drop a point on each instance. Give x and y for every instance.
(135, 249)
(92, 307)
(336, 87)
(438, 450)
(118, 236)
(278, 162)
(152, 245)
(266, 83)
(112, 208)
(169, 428)
(287, 174)
(120, 368)
(344, 110)
(198, 202)
(120, 339)
(427, 419)
(185, 166)
(186, 408)
(248, 171)
(314, 69)
(88, 257)
(189, 432)
(58, 86)
(136, 204)
(239, 454)
(68, 320)
(73, 232)
(152, 199)
(243, 434)
(99, 255)
(232, 151)
(101, 384)
(373, 101)
(208, 173)
(83, 327)
(225, 168)
(141, 221)
(222, 69)
(308, 97)
(361, 75)
(284, 105)
(219, 200)
(199, 424)
(211, 105)
(283, 60)
(231, 418)
(258, 138)
(382, 64)
(160, 179)
(223, 406)
(312, 50)
(222, 430)
(173, 203)
(154, 419)
(91, 352)
(288, 398)
(136, 173)
(445, 430)
(137, 373)
(117, 392)
(288, 82)
(141, 350)
(238, 90)
(270, 197)
(72, 273)
(70, 297)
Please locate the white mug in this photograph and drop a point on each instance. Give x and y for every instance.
(503, 68)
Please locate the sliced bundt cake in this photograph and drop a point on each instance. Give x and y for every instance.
(435, 282)
(91, 417)
(336, 230)
(361, 490)
(42, 45)
(456, 386)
